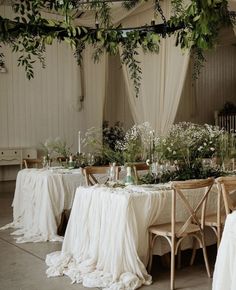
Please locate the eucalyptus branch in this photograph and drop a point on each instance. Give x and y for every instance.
(198, 62)
(30, 49)
(131, 4)
(128, 58)
(98, 52)
(80, 46)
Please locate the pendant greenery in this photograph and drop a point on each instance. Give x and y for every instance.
(196, 26)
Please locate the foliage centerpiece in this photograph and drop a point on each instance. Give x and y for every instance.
(187, 146)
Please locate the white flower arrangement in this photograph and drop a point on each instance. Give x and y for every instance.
(57, 147)
(188, 142)
(139, 140)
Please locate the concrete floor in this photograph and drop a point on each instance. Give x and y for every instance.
(22, 266)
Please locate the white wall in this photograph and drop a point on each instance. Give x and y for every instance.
(31, 111)
(47, 106)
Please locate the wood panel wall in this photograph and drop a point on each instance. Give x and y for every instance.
(215, 86)
(45, 107)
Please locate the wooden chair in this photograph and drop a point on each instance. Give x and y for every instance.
(32, 163)
(227, 186)
(193, 225)
(90, 171)
(216, 220)
(139, 167)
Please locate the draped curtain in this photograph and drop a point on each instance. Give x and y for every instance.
(94, 88)
(163, 77)
(163, 74)
(94, 75)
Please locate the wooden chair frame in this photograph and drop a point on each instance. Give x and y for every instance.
(216, 221)
(227, 184)
(193, 226)
(139, 167)
(90, 171)
(32, 163)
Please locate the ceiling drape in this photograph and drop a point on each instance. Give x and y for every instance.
(163, 77)
(163, 74)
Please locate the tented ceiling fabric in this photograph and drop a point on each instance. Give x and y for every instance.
(232, 7)
(118, 14)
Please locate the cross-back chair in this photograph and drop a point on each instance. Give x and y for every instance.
(193, 225)
(91, 173)
(227, 186)
(216, 220)
(139, 167)
(32, 163)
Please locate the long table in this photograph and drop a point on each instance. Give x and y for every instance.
(106, 241)
(40, 197)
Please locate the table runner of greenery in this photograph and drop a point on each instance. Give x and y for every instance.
(188, 150)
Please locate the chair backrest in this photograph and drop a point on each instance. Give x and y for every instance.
(32, 163)
(90, 171)
(139, 167)
(195, 214)
(227, 185)
(25, 164)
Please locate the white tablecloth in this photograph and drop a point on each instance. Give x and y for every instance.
(106, 241)
(39, 199)
(224, 277)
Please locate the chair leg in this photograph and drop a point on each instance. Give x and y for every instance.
(151, 244)
(218, 236)
(179, 258)
(193, 252)
(172, 266)
(205, 257)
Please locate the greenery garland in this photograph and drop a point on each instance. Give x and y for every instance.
(196, 26)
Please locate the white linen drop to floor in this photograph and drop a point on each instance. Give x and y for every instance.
(40, 197)
(224, 277)
(106, 241)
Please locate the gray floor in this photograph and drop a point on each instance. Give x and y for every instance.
(22, 266)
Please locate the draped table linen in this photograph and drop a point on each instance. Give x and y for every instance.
(40, 197)
(224, 277)
(106, 242)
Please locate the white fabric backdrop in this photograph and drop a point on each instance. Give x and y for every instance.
(95, 77)
(162, 80)
(163, 74)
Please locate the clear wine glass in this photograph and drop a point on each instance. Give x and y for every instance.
(154, 170)
(91, 159)
(112, 172)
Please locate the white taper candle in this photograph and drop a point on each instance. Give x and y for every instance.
(79, 143)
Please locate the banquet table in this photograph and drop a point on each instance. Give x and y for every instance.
(40, 197)
(106, 243)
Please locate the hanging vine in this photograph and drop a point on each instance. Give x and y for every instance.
(195, 24)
